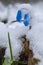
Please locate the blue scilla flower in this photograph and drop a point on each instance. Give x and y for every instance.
(26, 20)
(19, 16)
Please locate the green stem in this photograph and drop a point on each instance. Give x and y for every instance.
(20, 62)
(10, 46)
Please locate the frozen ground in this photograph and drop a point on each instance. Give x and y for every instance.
(16, 30)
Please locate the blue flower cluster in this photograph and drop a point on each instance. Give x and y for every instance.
(19, 18)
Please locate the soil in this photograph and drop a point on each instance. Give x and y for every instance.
(2, 52)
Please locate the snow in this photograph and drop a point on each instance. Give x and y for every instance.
(3, 35)
(35, 36)
(12, 11)
(37, 13)
(16, 29)
(3, 12)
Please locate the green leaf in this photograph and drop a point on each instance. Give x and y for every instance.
(36, 60)
(6, 62)
(20, 62)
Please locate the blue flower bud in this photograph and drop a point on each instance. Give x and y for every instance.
(26, 19)
(19, 16)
